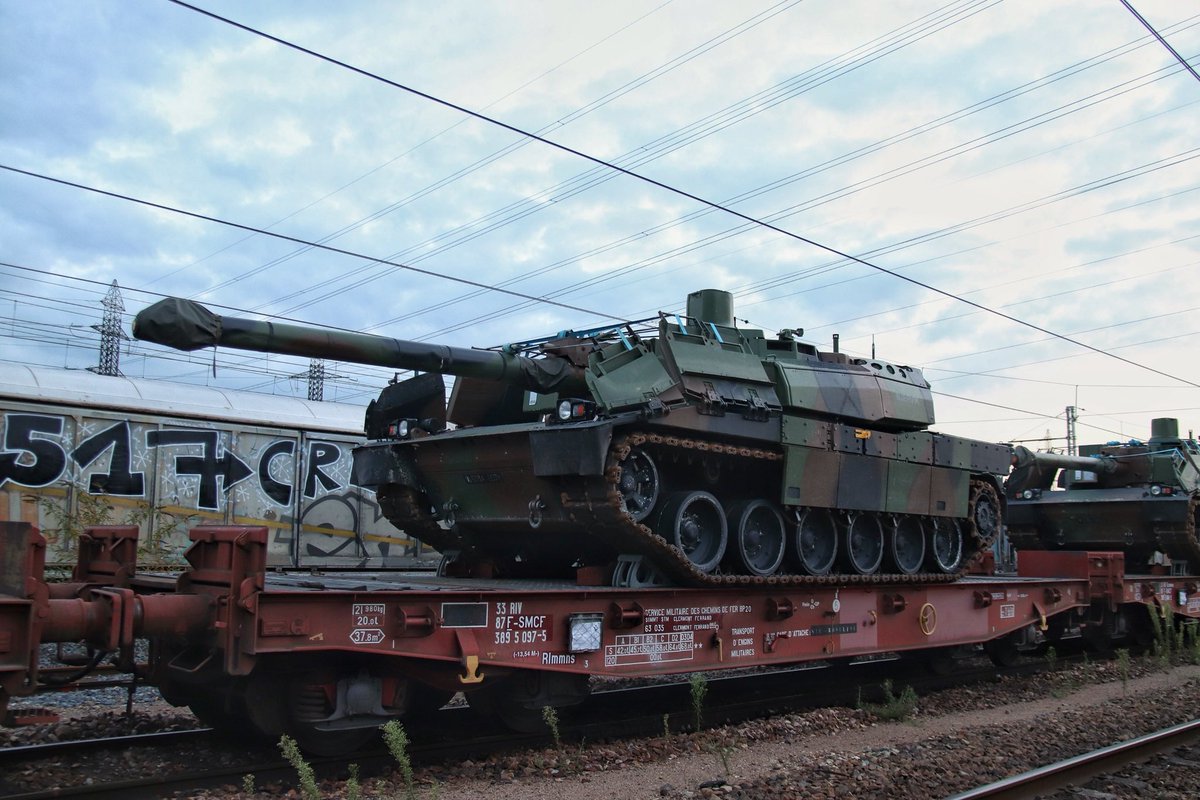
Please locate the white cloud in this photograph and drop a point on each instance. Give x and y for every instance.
(167, 105)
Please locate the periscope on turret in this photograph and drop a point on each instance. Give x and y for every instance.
(678, 450)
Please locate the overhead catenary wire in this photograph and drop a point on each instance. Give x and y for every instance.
(394, 159)
(208, 218)
(645, 153)
(585, 304)
(295, 239)
(674, 190)
(1161, 40)
(641, 157)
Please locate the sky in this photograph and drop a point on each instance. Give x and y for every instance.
(1019, 181)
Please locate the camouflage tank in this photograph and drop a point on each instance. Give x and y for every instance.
(1137, 497)
(675, 450)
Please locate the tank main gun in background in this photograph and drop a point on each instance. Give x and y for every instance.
(1137, 497)
(686, 451)
(1034, 470)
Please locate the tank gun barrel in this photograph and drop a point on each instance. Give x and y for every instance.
(1024, 457)
(187, 325)
(1033, 470)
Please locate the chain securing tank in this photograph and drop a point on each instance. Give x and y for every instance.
(1142, 498)
(679, 450)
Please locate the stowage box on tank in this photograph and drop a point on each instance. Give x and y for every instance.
(687, 451)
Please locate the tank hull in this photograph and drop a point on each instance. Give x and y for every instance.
(1127, 519)
(542, 499)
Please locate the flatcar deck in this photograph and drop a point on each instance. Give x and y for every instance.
(461, 633)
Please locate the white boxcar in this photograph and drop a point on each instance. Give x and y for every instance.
(81, 449)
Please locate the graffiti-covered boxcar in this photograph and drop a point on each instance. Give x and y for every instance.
(84, 449)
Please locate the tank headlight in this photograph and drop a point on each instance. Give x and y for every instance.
(1156, 490)
(400, 429)
(1027, 494)
(576, 409)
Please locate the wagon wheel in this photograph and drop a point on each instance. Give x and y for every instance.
(424, 701)
(695, 523)
(946, 545)
(519, 701)
(816, 541)
(332, 743)
(907, 545)
(224, 711)
(758, 537)
(639, 484)
(1003, 650)
(864, 543)
(308, 705)
(512, 714)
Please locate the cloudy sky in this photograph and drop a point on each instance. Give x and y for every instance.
(1036, 159)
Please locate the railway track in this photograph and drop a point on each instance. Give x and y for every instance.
(1105, 761)
(614, 714)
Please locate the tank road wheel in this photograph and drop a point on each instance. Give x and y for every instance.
(639, 484)
(906, 545)
(758, 537)
(946, 546)
(816, 541)
(695, 523)
(864, 543)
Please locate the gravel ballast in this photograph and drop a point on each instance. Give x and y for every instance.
(955, 740)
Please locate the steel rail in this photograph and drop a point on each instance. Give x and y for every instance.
(605, 714)
(1084, 767)
(19, 753)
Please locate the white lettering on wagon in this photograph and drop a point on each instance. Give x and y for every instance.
(515, 627)
(366, 636)
(649, 648)
(693, 611)
(368, 619)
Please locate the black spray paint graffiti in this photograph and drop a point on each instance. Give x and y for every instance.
(119, 479)
(21, 437)
(347, 512)
(208, 466)
(33, 456)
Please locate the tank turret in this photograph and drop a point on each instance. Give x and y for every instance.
(1137, 497)
(679, 449)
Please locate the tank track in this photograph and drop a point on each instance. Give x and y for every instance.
(1183, 540)
(599, 506)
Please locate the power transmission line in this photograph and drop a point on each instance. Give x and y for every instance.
(1161, 40)
(661, 185)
